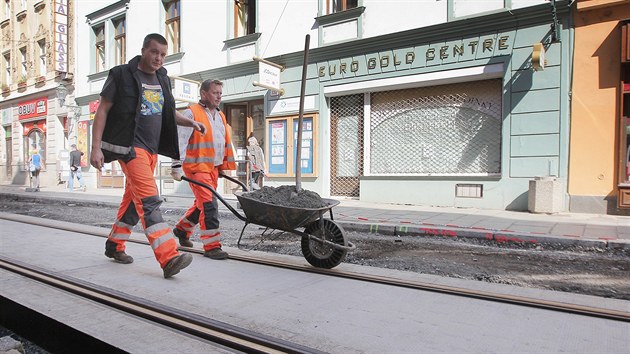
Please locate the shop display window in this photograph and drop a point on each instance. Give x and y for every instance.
(35, 141)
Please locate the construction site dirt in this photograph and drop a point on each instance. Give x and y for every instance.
(576, 269)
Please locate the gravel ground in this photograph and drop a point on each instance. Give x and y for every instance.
(591, 271)
(28, 346)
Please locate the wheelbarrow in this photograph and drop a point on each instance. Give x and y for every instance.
(323, 242)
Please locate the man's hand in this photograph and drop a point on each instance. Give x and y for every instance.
(97, 159)
(177, 173)
(199, 127)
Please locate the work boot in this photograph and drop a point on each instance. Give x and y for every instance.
(120, 257)
(216, 253)
(176, 264)
(181, 235)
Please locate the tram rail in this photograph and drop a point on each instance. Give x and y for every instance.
(584, 310)
(198, 326)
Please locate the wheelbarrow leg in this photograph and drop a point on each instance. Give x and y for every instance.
(238, 243)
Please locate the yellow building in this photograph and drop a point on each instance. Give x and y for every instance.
(36, 69)
(599, 170)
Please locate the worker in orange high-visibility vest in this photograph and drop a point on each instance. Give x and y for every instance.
(206, 155)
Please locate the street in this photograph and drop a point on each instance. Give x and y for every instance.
(591, 271)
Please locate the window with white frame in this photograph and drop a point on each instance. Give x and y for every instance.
(24, 66)
(120, 26)
(6, 63)
(333, 6)
(244, 17)
(99, 47)
(172, 23)
(463, 8)
(41, 44)
(7, 8)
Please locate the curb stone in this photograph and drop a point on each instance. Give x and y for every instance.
(398, 230)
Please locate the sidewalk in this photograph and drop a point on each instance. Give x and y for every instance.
(586, 230)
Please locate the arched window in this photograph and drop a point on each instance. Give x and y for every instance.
(35, 140)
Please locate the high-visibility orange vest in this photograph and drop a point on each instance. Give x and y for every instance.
(200, 149)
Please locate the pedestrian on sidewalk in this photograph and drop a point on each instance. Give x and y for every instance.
(206, 156)
(75, 168)
(135, 121)
(34, 167)
(257, 158)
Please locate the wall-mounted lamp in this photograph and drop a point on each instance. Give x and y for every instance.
(62, 92)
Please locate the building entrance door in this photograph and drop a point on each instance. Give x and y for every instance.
(245, 118)
(346, 136)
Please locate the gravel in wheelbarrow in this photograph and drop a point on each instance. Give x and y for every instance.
(282, 207)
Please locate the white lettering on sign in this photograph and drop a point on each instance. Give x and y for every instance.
(61, 36)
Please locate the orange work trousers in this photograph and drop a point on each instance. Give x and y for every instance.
(141, 202)
(204, 211)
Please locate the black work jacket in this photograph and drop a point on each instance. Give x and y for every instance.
(120, 126)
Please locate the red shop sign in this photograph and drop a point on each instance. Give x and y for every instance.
(34, 108)
(40, 124)
(94, 106)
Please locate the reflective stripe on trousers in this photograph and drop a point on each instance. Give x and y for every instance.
(187, 223)
(204, 210)
(140, 202)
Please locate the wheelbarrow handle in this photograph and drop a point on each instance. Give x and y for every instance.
(216, 194)
(235, 180)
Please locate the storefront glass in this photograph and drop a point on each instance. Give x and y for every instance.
(441, 130)
(35, 141)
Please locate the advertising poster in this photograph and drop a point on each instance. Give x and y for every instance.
(82, 141)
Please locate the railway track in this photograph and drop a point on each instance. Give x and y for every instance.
(604, 313)
(199, 327)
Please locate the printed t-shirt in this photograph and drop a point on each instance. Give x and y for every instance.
(149, 118)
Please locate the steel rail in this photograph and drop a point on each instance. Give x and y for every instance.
(558, 306)
(201, 327)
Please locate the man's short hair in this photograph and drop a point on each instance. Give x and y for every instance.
(205, 85)
(153, 37)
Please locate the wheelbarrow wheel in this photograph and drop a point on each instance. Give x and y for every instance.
(319, 254)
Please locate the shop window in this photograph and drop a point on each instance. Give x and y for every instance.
(120, 39)
(333, 6)
(281, 145)
(172, 23)
(35, 141)
(99, 47)
(442, 130)
(244, 17)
